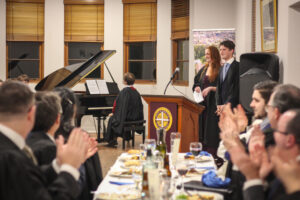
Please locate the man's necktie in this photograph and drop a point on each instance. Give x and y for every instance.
(226, 66)
(27, 150)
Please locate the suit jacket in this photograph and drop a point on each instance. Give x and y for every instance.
(22, 180)
(228, 89)
(42, 146)
(275, 191)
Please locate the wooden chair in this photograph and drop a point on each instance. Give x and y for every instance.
(132, 127)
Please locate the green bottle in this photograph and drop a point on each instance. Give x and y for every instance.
(161, 144)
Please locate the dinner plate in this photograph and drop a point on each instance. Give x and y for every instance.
(203, 159)
(120, 174)
(114, 196)
(193, 195)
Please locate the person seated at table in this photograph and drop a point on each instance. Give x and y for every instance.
(21, 178)
(127, 107)
(47, 115)
(92, 166)
(257, 166)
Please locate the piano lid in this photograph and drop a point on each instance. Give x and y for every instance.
(72, 74)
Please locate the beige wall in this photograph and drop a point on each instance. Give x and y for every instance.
(204, 14)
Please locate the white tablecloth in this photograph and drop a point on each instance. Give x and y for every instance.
(107, 187)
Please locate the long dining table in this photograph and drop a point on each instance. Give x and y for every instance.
(113, 184)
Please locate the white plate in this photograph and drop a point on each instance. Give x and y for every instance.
(107, 196)
(216, 196)
(120, 174)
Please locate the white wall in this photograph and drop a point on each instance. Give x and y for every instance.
(288, 40)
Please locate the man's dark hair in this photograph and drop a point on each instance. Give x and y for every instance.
(293, 126)
(228, 43)
(265, 89)
(1, 81)
(129, 78)
(15, 98)
(286, 96)
(47, 109)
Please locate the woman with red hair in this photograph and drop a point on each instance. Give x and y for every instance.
(206, 81)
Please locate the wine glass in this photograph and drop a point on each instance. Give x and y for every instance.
(150, 143)
(137, 178)
(195, 148)
(175, 143)
(182, 169)
(142, 153)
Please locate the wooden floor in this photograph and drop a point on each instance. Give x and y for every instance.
(109, 155)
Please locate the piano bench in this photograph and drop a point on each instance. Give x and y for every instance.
(132, 127)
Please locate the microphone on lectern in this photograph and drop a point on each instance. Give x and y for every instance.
(172, 77)
(175, 72)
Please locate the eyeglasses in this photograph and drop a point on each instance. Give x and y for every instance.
(282, 132)
(267, 107)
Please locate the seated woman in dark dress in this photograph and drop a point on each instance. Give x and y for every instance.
(206, 81)
(92, 168)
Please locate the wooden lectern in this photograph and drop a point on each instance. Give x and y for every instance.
(175, 114)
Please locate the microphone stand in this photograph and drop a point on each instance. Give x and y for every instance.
(167, 86)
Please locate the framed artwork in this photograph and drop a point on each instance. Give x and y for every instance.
(268, 19)
(203, 38)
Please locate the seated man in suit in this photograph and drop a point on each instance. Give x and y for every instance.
(21, 178)
(127, 107)
(228, 78)
(41, 138)
(257, 167)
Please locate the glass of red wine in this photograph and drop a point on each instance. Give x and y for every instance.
(182, 169)
(195, 148)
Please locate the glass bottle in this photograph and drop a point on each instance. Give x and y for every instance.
(161, 144)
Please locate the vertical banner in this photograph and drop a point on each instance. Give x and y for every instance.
(163, 115)
(203, 38)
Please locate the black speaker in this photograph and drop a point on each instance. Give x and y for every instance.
(254, 68)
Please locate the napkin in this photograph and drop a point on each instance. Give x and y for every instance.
(211, 179)
(208, 168)
(202, 153)
(120, 183)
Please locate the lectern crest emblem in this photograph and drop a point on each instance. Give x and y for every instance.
(162, 118)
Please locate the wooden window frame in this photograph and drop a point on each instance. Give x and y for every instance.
(41, 62)
(174, 63)
(126, 64)
(66, 60)
(179, 32)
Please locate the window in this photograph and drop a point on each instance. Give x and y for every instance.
(140, 39)
(180, 40)
(24, 38)
(84, 32)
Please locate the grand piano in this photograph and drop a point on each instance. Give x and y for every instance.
(98, 105)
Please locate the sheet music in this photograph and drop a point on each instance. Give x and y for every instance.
(102, 87)
(92, 87)
(198, 96)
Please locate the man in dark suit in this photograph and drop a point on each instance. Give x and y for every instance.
(21, 178)
(228, 79)
(41, 138)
